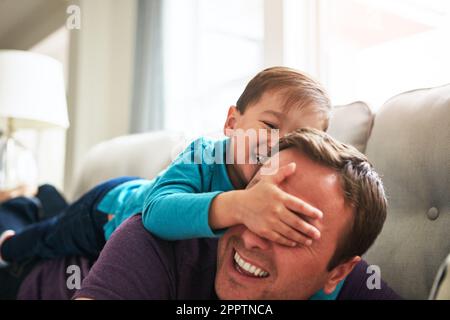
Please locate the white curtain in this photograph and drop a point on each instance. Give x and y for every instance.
(147, 112)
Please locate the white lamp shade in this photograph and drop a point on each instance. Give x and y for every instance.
(32, 90)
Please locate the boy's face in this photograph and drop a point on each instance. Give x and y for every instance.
(267, 114)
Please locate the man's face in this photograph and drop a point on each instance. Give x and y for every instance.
(266, 115)
(288, 273)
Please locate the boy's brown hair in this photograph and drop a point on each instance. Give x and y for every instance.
(362, 186)
(298, 89)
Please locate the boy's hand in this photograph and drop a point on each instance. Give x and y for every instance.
(274, 214)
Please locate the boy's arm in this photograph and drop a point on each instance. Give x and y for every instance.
(177, 207)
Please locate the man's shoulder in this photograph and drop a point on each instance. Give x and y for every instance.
(138, 265)
(190, 264)
(357, 286)
(192, 251)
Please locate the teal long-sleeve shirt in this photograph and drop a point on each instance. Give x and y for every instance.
(175, 205)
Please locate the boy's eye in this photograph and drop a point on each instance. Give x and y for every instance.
(270, 125)
(260, 159)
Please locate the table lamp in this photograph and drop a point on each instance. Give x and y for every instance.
(32, 96)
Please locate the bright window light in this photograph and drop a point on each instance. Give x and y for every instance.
(374, 49)
(212, 49)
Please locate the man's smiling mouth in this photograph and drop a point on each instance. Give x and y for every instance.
(246, 268)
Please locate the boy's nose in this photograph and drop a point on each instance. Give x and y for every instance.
(253, 241)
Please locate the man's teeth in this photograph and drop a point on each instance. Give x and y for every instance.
(249, 267)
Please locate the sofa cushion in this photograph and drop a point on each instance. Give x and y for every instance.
(410, 147)
(352, 124)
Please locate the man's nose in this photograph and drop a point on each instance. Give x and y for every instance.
(253, 241)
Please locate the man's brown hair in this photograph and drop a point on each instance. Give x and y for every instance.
(362, 188)
(297, 88)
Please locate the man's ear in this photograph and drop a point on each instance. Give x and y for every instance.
(230, 123)
(339, 273)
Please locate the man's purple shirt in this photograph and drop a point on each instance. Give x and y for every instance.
(136, 265)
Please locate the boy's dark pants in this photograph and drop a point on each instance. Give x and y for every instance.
(49, 228)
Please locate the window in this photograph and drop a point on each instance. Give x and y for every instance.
(374, 49)
(212, 49)
(364, 50)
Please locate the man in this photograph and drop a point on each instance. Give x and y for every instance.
(331, 176)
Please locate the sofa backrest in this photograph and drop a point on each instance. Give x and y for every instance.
(143, 155)
(410, 147)
(352, 124)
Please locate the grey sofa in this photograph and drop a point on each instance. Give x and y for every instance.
(408, 141)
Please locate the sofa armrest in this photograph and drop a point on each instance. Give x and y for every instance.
(441, 285)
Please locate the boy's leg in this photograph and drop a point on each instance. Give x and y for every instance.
(52, 202)
(18, 213)
(78, 230)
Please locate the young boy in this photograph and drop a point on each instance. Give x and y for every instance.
(197, 197)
